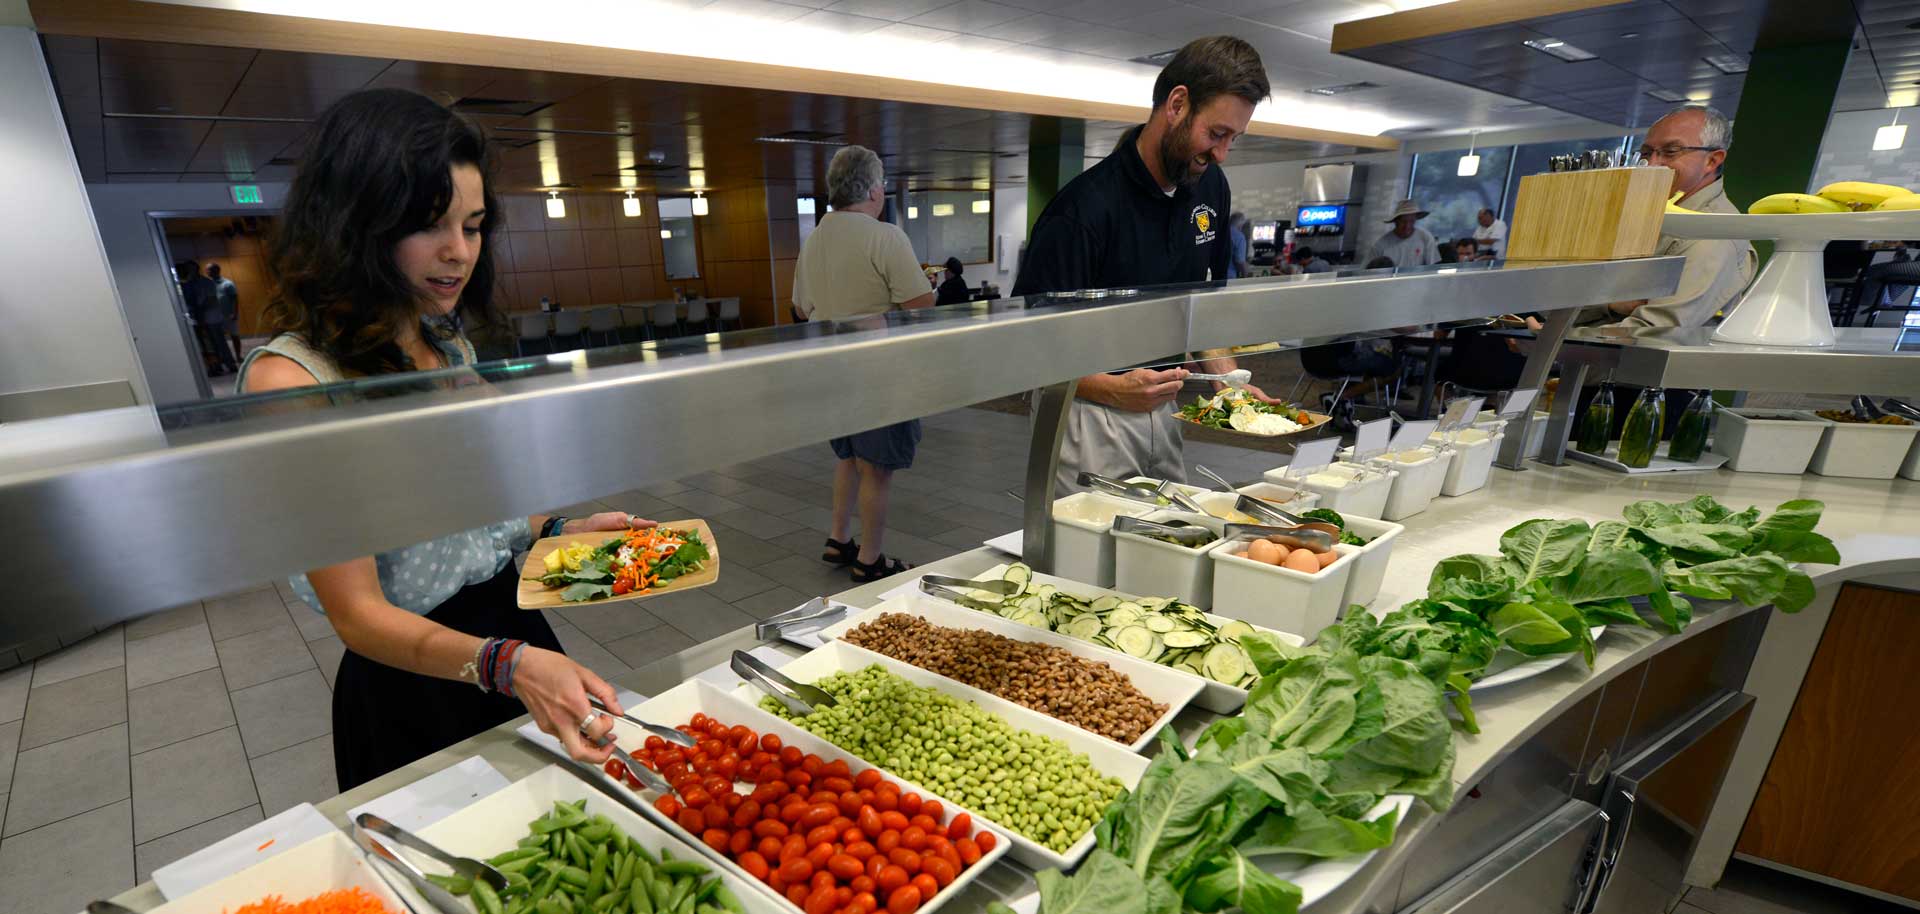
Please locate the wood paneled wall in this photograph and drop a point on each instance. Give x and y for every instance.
(239, 258)
(594, 255)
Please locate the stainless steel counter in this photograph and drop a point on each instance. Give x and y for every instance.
(1875, 524)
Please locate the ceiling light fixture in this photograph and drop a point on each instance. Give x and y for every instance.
(1556, 48)
(1342, 88)
(1470, 163)
(1666, 95)
(556, 207)
(666, 234)
(982, 206)
(699, 204)
(1892, 136)
(913, 212)
(631, 205)
(943, 209)
(1729, 64)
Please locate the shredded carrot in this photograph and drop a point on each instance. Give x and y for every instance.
(354, 900)
(266, 845)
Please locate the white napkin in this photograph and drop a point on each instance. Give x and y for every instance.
(238, 851)
(435, 796)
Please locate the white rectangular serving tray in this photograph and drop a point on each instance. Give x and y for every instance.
(1217, 697)
(677, 705)
(1659, 464)
(1162, 684)
(496, 823)
(1108, 757)
(322, 864)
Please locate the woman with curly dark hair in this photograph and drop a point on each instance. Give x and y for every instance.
(381, 255)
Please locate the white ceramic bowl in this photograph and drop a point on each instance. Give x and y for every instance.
(1083, 549)
(1162, 684)
(1142, 564)
(1107, 757)
(1279, 598)
(1862, 450)
(1768, 440)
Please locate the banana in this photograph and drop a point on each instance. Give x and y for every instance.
(1903, 201)
(1795, 203)
(1861, 194)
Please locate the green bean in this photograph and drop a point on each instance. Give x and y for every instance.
(659, 888)
(545, 886)
(550, 906)
(577, 850)
(706, 909)
(622, 868)
(723, 896)
(682, 868)
(518, 853)
(485, 900)
(574, 876)
(596, 833)
(518, 884)
(597, 873)
(638, 899)
(704, 890)
(604, 902)
(515, 866)
(682, 889)
(454, 884)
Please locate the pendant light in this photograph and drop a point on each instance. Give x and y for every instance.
(556, 207)
(699, 203)
(631, 206)
(1470, 163)
(1892, 136)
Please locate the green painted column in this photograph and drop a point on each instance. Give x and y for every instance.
(1783, 113)
(1056, 153)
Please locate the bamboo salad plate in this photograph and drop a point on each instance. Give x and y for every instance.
(535, 595)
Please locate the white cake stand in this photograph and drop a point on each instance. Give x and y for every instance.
(1787, 304)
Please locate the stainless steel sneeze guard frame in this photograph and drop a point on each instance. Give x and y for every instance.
(263, 496)
(1883, 360)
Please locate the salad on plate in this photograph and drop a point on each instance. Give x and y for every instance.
(1236, 409)
(633, 562)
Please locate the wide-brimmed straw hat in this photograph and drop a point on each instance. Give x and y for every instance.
(1407, 208)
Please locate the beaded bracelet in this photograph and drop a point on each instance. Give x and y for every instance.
(501, 679)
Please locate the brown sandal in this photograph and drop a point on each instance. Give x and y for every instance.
(882, 567)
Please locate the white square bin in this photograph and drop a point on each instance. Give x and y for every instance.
(1082, 543)
(1536, 429)
(1370, 561)
(1147, 566)
(1423, 470)
(1911, 468)
(1473, 453)
(1862, 450)
(1279, 598)
(1768, 440)
(1348, 488)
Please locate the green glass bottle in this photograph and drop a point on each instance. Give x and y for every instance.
(1597, 425)
(1690, 430)
(1641, 436)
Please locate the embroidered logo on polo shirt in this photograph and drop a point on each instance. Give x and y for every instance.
(1202, 218)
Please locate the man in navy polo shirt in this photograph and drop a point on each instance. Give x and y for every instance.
(1153, 212)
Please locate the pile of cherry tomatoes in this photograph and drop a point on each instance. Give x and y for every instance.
(830, 840)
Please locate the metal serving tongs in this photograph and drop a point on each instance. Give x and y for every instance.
(103, 906)
(798, 697)
(441, 899)
(1296, 537)
(1219, 482)
(465, 867)
(1155, 494)
(817, 609)
(1260, 507)
(1864, 410)
(1900, 408)
(667, 733)
(956, 589)
(647, 777)
(1189, 535)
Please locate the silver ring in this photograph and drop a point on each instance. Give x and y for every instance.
(593, 714)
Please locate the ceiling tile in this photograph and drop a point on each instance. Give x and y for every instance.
(971, 16)
(890, 10)
(841, 23)
(902, 31)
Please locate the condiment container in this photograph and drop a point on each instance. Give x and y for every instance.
(1422, 471)
(1862, 450)
(1142, 564)
(1369, 561)
(1362, 494)
(1082, 543)
(1768, 440)
(1279, 598)
(1536, 429)
(1472, 460)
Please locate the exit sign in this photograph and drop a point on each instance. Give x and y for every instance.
(246, 193)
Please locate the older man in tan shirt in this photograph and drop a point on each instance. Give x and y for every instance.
(1692, 140)
(854, 265)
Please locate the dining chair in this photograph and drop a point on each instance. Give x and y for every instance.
(530, 328)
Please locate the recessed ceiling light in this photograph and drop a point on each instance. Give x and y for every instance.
(1558, 48)
(1158, 58)
(1666, 95)
(1727, 63)
(1629, 34)
(1343, 88)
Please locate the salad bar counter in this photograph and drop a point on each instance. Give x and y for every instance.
(1612, 750)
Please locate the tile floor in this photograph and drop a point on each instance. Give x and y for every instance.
(152, 739)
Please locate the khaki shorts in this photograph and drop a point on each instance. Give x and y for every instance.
(1114, 443)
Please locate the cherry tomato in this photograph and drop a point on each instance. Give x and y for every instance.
(699, 721)
(770, 743)
(960, 827)
(798, 778)
(822, 879)
(864, 780)
(716, 785)
(754, 864)
(811, 764)
(796, 870)
(986, 841)
(819, 901)
(692, 821)
(914, 838)
(616, 769)
(791, 756)
(927, 885)
(927, 823)
(741, 842)
(894, 820)
(770, 828)
(969, 851)
(886, 800)
(794, 847)
(838, 768)
(875, 864)
(747, 813)
(728, 767)
(862, 883)
(869, 821)
(941, 871)
(891, 877)
(715, 838)
(845, 866)
(818, 815)
(769, 848)
(667, 805)
(851, 804)
(903, 900)
(716, 815)
(798, 894)
(888, 840)
(861, 850)
(864, 898)
(850, 835)
(672, 756)
(695, 797)
(905, 859)
(655, 744)
(910, 803)
(819, 854)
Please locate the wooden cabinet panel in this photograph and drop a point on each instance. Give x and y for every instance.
(1842, 794)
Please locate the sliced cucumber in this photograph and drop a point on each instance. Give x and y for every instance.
(1126, 614)
(1225, 663)
(1019, 575)
(1234, 631)
(1083, 627)
(1105, 604)
(1185, 639)
(1160, 624)
(1133, 639)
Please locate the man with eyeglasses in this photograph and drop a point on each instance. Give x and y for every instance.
(1691, 140)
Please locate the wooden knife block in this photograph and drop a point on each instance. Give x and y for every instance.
(1603, 214)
